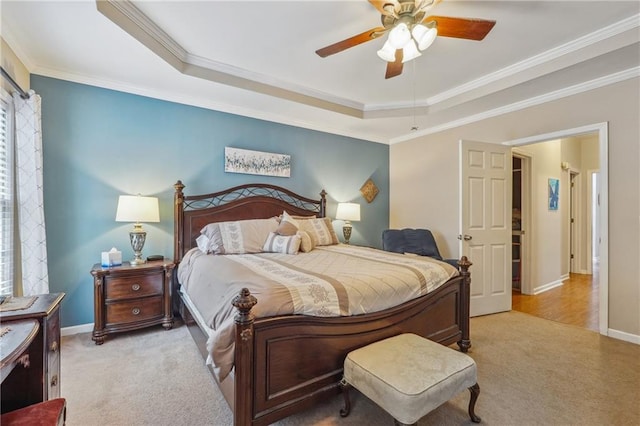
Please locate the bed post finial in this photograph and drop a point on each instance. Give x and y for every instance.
(323, 203)
(464, 264)
(179, 186)
(244, 302)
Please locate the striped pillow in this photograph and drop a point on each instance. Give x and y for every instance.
(320, 230)
(282, 244)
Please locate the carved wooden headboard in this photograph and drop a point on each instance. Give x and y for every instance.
(250, 201)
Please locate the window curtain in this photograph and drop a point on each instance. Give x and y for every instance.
(30, 199)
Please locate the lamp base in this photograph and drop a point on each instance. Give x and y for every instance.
(346, 232)
(137, 237)
(135, 261)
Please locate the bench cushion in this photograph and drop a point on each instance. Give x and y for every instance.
(408, 375)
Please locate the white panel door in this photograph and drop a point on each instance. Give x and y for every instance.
(485, 228)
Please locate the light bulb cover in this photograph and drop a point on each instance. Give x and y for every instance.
(399, 36)
(387, 53)
(410, 51)
(424, 36)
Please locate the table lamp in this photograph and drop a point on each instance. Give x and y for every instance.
(135, 208)
(348, 212)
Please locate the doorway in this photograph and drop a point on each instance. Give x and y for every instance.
(588, 256)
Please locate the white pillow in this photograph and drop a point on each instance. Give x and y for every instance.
(203, 243)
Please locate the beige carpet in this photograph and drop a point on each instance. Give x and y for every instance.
(531, 372)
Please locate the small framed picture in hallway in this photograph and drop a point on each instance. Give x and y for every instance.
(554, 192)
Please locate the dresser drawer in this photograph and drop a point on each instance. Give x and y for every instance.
(137, 310)
(127, 287)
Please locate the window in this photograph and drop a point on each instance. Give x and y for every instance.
(6, 195)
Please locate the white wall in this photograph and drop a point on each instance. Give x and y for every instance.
(425, 190)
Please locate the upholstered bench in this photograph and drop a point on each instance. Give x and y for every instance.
(409, 376)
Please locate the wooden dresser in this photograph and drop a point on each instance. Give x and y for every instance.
(40, 381)
(131, 297)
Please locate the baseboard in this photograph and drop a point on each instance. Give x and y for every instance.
(621, 335)
(76, 329)
(547, 287)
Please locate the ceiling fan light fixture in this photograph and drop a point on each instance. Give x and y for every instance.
(399, 36)
(424, 36)
(387, 53)
(410, 51)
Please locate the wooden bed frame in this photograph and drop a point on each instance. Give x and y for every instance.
(287, 364)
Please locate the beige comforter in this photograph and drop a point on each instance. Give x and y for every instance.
(336, 280)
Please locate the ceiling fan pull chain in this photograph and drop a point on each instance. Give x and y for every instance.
(415, 125)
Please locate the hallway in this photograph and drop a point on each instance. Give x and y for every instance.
(575, 302)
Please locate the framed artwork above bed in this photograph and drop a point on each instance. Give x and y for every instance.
(256, 162)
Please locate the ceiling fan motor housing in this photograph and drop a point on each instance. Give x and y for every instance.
(405, 11)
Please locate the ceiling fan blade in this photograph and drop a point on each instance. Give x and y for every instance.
(351, 41)
(470, 29)
(394, 69)
(379, 4)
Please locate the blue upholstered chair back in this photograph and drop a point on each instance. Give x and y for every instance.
(416, 241)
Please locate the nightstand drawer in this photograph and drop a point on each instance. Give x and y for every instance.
(134, 286)
(134, 310)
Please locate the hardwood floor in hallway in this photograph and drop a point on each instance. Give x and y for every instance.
(575, 302)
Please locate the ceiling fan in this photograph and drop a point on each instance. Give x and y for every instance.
(410, 29)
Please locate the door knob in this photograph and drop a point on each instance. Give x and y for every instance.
(465, 237)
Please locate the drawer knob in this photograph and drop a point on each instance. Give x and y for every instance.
(135, 311)
(54, 347)
(54, 380)
(135, 287)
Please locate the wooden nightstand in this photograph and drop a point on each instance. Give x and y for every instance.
(131, 297)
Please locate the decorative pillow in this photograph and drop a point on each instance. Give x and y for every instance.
(203, 243)
(288, 225)
(281, 244)
(243, 236)
(320, 230)
(306, 243)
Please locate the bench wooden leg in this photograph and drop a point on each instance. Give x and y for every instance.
(347, 402)
(475, 392)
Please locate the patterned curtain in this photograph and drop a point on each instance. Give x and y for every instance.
(33, 241)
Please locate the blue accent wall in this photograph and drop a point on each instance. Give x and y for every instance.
(99, 144)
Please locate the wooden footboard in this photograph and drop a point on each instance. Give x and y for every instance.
(286, 364)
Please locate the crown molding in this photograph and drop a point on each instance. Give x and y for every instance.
(527, 103)
(124, 14)
(204, 102)
(628, 25)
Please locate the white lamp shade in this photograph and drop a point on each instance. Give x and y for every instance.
(135, 208)
(410, 51)
(399, 36)
(424, 36)
(387, 53)
(348, 211)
